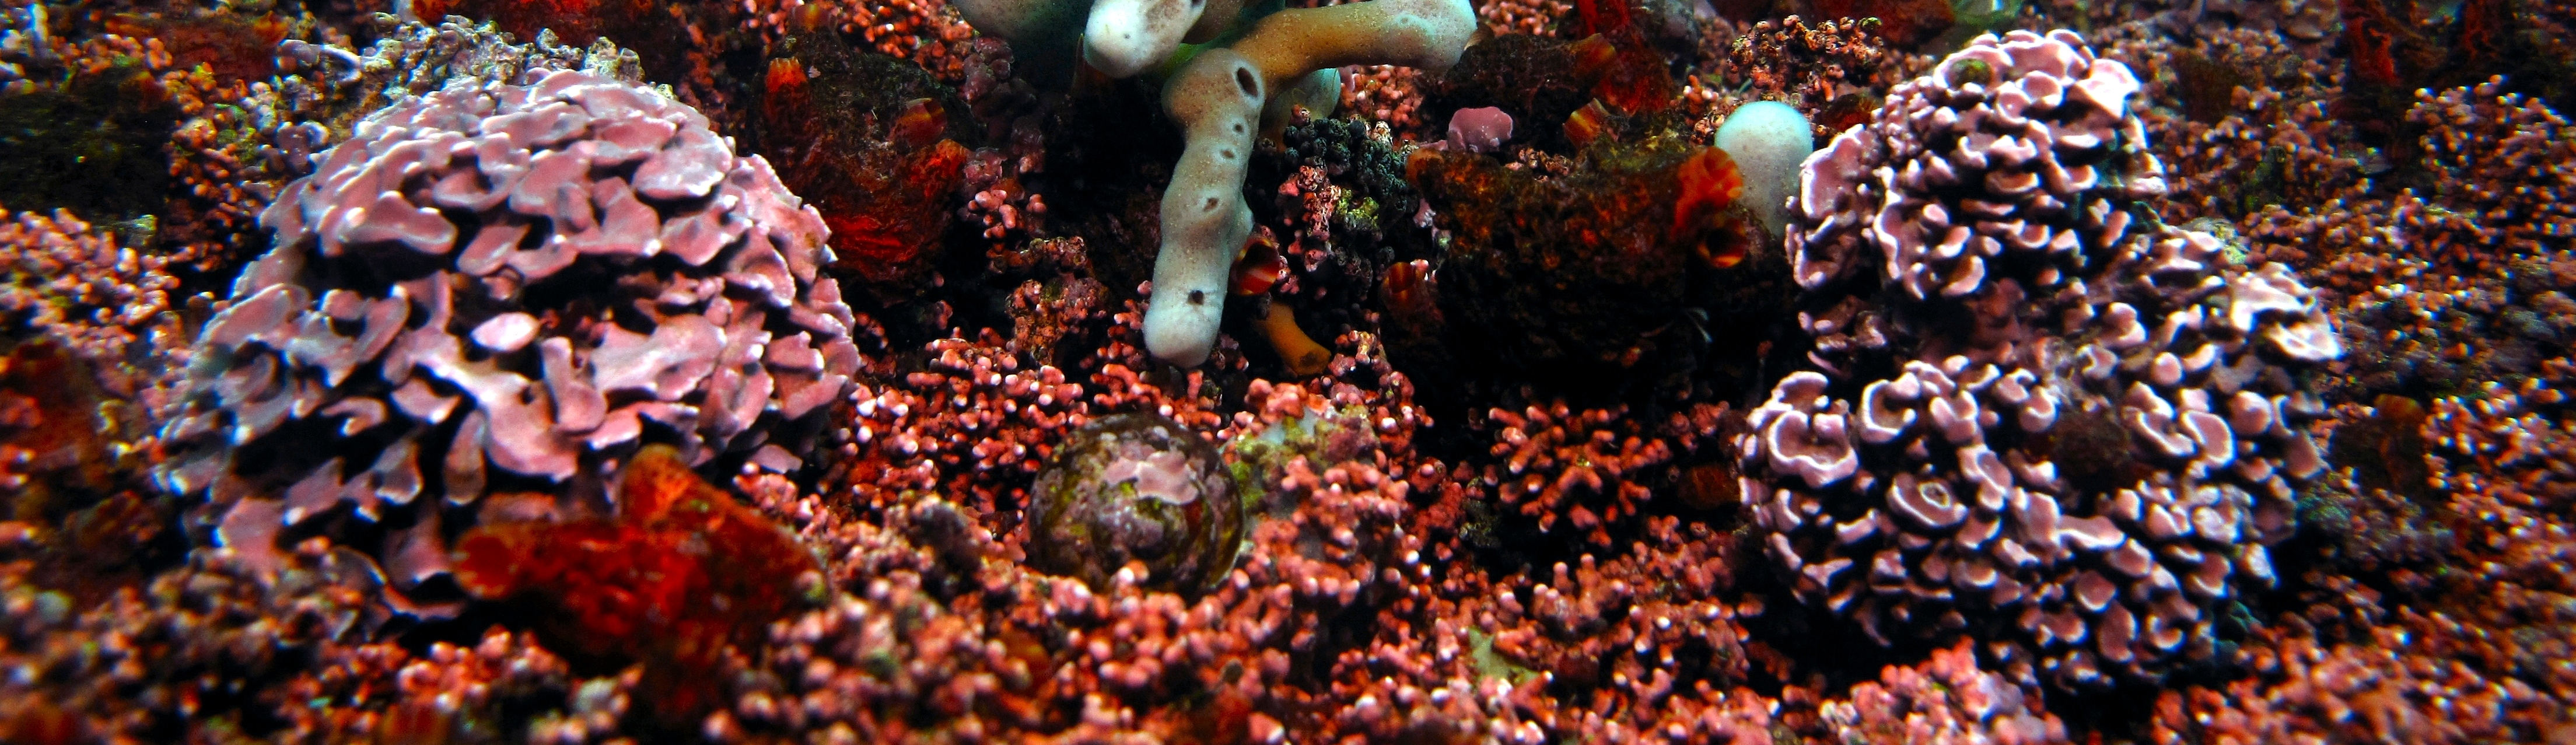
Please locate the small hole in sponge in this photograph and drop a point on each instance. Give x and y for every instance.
(1211, 204)
(1198, 297)
(1243, 77)
(1227, 154)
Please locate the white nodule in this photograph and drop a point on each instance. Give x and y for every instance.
(1767, 140)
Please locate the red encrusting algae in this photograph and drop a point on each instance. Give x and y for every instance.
(681, 572)
(855, 137)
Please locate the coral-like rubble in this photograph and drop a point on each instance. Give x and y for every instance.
(2203, 385)
(76, 284)
(211, 645)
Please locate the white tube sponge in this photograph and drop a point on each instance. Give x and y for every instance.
(1117, 37)
(1218, 95)
(1221, 16)
(1427, 34)
(1216, 98)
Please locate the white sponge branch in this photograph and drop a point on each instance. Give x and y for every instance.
(1218, 95)
(1216, 98)
(1427, 34)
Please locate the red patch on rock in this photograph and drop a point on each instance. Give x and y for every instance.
(682, 571)
(887, 201)
(2372, 37)
(51, 441)
(232, 47)
(1599, 16)
(1709, 184)
(1624, 71)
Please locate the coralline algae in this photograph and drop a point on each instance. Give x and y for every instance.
(502, 286)
(1935, 500)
